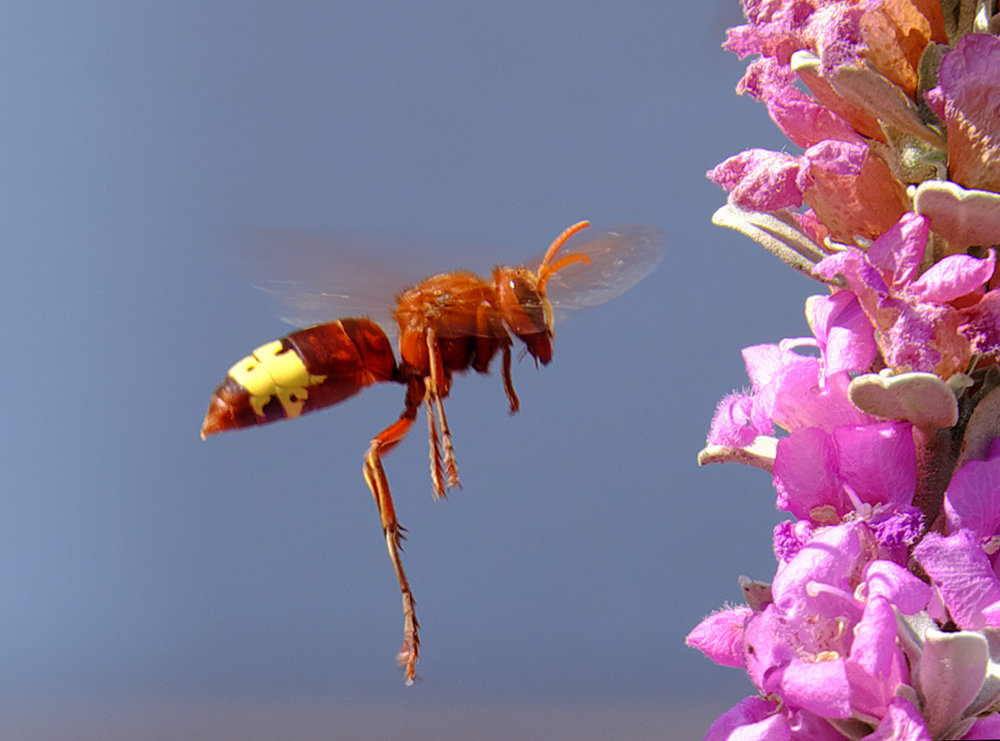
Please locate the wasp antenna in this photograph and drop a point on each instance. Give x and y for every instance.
(559, 264)
(559, 242)
(545, 270)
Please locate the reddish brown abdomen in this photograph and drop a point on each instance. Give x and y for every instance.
(309, 369)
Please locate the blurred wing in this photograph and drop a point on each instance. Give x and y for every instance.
(620, 256)
(319, 276)
(314, 276)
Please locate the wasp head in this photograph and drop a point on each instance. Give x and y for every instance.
(525, 309)
(522, 301)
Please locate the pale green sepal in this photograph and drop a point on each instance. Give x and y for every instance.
(776, 232)
(920, 398)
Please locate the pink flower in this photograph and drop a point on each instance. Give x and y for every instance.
(916, 328)
(819, 474)
(788, 390)
(816, 646)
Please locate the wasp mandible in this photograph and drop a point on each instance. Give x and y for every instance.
(447, 323)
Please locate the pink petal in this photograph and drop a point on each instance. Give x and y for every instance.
(805, 473)
(720, 636)
(903, 722)
(909, 343)
(763, 364)
(765, 78)
(805, 121)
(898, 252)
(732, 424)
(876, 666)
(804, 398)
(973, 498)
(751, 719)
(829, 558)
(837, 35)
(982, 323)
(759, 180)
(863, 279)
(874, 637)
(953, 276)
(963, 575)
(774, 30)
(766, 648)
(878, 461)
(904, 590)
(811, 226)
(820, 687)
(843, 330)
(984, 729)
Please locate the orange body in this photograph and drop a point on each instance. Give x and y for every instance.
(447, 323)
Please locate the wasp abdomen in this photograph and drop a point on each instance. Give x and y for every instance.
(309, 369)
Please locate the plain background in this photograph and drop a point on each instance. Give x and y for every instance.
(154, 586)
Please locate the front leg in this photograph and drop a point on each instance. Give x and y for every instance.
(491, 334)
(437, 385)
(508, 381)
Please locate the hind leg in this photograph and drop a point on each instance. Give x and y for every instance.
(394, 533)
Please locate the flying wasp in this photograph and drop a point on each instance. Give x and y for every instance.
(448, 323)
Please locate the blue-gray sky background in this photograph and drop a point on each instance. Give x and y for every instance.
(156, 586)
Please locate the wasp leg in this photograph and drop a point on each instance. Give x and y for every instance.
(492, 334)
(434, 446)
(508, 381)
(379, 485)
(434, 389)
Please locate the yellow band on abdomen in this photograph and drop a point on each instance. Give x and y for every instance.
(273, 372)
